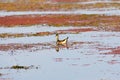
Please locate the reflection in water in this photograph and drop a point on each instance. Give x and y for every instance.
(61, 46)
(57, 48)
(60, 59)
(113, 62)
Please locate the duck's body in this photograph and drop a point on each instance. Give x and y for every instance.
(61, 42)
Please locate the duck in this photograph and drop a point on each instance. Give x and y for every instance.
(61, 42)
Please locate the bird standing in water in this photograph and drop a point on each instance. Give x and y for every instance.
(61, 42)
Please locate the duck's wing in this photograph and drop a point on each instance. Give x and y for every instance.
(63, 40)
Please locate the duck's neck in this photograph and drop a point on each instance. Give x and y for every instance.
(57, 37)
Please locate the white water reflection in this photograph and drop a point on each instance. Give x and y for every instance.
(33, 29)
(81, 11)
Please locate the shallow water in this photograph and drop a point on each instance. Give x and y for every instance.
(105, 11)
(33, 29)
(91, 55)
(87, 58)
(67, 64)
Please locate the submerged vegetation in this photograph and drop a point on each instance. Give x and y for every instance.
(7, 35)
(20, 67)
(54, 6)
(70, 31)
(0, 74)
(100, 21)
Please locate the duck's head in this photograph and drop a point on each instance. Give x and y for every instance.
(56, 34)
